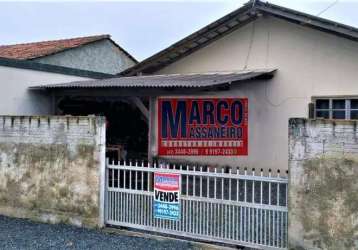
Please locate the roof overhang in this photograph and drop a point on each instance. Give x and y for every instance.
(170, 81)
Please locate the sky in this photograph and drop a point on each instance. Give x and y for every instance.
(140, 27)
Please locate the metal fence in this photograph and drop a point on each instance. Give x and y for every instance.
(235, 207)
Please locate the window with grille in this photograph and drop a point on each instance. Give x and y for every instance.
(331, 108)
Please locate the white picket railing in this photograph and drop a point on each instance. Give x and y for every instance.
(235, 207)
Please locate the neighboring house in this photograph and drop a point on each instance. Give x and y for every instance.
(92, 53)
(17, 75)
(316, 63)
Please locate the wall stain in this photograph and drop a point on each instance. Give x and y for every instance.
(327, 202)
(49, 177)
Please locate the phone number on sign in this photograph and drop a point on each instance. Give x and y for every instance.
(202, 151)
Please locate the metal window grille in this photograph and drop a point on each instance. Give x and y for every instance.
(347, 111)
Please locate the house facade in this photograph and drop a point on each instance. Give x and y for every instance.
(314, 65)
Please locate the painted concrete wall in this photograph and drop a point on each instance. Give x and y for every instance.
(15, 97)
(309, 62)
(101, 56)
(50, 168)
(323, 193)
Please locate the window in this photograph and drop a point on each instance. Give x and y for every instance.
(332, 108)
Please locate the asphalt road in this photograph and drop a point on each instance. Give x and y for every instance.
(25, 234)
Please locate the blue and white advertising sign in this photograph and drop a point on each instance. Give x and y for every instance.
(167, 196)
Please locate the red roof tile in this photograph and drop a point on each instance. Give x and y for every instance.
(39, 49)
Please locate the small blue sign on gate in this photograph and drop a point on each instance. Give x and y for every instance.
(166, 196)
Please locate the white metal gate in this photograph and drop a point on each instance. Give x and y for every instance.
(221, 206)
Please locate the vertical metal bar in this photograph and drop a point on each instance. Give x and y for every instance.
(286, 229)
(244, 208)
(121, 206)
(147, 211)
(201, 181)
(254, 209)
(150, 215)
(211, 219)
(261, 199)
(140, 209)
(182, 216)
(215, 184)
(208, 185)
(234, 228)
(229, 222)
(282, 228)
(148, 178)
(134, 208)
(222, 204)
(113, 205)
(194, 193)
(191, 217)
(130, 176)
(207, 219)
(257, 225)
(131, 214)
(116, 206)
(241, 224)
(136, 176)
(278, 190)
(187, 214)
(224, 221)
(277, 213)
(245, 187)
(237, 185)
(130, 208)
(124, 178)
(269, 188)
(109, 205)
(197, 218)
(249, 224)
(265, 228)
(187, 181)
(124, 201)
(119, 178)
(253, 186)
(222, 184)
(230, 184)
(112, 174)
(127, 207)
(200, 217)
(214, 214)
(274, 230)
(269, 229)
(142, 177)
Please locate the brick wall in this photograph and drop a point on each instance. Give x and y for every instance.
(323, 184)
(50, 168)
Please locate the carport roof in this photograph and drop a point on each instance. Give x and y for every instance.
(193, 80)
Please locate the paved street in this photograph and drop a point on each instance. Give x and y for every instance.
(25, 234)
